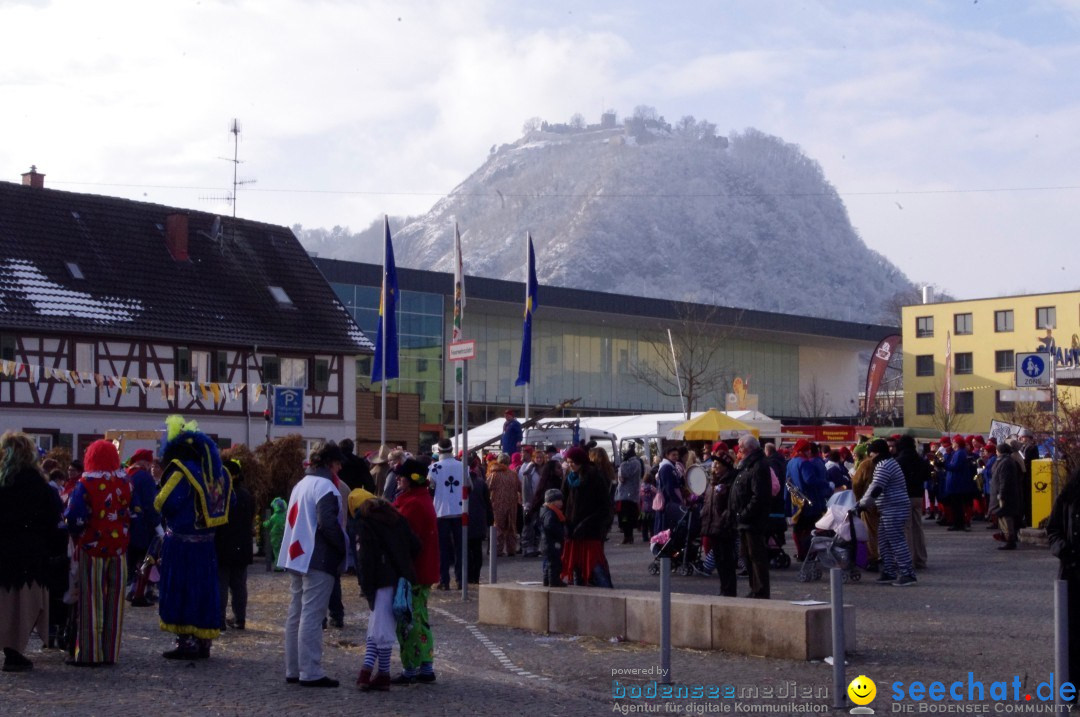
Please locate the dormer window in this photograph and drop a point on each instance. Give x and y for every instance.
(74, 270)
(280, 296)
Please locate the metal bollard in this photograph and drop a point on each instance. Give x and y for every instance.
(665, 620)
(493, 552)
(839, 648)
(1061, 643)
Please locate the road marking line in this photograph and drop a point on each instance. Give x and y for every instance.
(487, 642)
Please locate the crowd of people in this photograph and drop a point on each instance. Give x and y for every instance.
(75, 545)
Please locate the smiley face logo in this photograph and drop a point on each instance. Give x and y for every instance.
(862, 690)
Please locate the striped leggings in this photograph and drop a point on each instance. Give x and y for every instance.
(892, 547)
(101, 608)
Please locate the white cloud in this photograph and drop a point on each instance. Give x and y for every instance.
(381, 106)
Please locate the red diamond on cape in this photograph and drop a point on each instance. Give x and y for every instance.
(292, 514)
(295, 550)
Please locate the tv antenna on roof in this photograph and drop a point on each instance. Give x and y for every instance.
(234, 129)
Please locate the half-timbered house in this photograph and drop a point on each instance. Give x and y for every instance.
(115, 313)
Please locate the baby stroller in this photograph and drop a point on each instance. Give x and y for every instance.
(835, 540)
(775, 542)
(681, 543)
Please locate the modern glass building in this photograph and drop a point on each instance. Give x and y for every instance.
(594, 347)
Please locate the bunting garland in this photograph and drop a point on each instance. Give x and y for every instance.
(170, 390)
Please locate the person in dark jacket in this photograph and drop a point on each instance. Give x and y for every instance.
(751, 494)
(481, 517)
(916, 474)
(355, 471)
(553, 534)
(588, 517)
(718, 522)
(385, 550)
(234, 549)
(1005, 496)
(1063, 533)
(1029, 451)
(145, 520)
(551, 476)
(29, 514)
(959, 484)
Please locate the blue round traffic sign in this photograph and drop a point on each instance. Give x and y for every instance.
(1033, 366)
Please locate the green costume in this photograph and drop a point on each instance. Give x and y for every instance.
(276, 525)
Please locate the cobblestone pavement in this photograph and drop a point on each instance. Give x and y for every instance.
(975, 609)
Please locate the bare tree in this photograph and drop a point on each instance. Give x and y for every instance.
(531, 125)
(578, 121)
(946, 421)
(814, 401)
(698, 340)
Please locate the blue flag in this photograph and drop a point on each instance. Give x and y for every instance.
(525, 367)
(386, 345)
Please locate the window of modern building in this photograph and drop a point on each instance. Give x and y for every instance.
(1003, 321)
(1001, 406)
(1046, 317)
(1004, 361)
(962, 324)
(924, 327)
(965, 402)
(924, 404)
(924, 365)
(964, 363)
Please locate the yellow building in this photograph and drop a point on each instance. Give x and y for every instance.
(984, 337)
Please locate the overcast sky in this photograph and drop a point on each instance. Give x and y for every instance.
(951, 129)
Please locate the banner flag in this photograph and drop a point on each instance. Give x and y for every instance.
(525, 366)
(386, 344)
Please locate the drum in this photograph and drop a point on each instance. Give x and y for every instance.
(697, 478)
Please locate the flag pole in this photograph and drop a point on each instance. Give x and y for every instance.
(382, 357)
(528, 241)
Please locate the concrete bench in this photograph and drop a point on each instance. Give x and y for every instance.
(766, 628)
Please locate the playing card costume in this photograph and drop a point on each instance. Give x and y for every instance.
(193, 501)
(313, 552)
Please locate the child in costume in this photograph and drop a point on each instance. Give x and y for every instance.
(553, 530)
(194, 500)
(385, 547)
(276, 525)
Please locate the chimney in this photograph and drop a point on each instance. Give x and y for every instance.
(176, 236)
(928, 294)
(33, 178)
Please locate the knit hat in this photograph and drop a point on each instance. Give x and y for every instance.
(719, 447)
(801, 446)
(143, 455)
(101, 459)
(357, 498)
(578, 455)
(552, 494)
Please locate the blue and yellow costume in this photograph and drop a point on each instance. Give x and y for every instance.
(194, 500)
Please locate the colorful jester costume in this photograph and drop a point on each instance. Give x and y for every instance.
(194, 500)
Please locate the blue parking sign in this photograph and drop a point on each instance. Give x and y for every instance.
(288, 407)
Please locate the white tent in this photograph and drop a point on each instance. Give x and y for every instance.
(756, 419)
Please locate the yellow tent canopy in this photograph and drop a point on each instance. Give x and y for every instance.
(711, 426)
